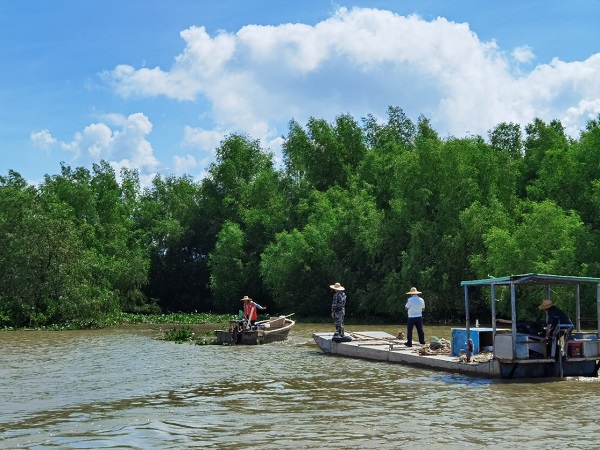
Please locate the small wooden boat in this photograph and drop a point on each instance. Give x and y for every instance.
(492, 352)
(263, 332)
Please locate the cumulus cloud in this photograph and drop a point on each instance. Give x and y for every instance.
(43, 139)
(585, 108)
(202, 139)
(124, 145)
(523, 54)
(184, 164)
(360, 61)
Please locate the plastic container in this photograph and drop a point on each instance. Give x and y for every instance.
(575, 349)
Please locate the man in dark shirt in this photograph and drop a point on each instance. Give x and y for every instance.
(558, 325)
(555, 316)
(338, 308)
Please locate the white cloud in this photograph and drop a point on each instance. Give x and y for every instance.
(523, 54)
(184, 164)
(360, 61)
(204, 140)
(201, 62)
(125, 146)
(585, 108)
(42, 139)
(94, 141)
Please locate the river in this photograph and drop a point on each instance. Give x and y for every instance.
(123, 388)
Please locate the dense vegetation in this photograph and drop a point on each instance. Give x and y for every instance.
(379, 207)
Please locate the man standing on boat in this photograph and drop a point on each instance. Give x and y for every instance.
(250, 313)
(338, 308)
(415, 306)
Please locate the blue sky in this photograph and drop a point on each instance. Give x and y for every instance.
(156, 85)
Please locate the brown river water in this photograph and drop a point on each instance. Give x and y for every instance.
(123, 388)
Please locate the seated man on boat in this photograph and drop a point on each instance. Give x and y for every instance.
(555, 317)
(558, 324)
(250, 311)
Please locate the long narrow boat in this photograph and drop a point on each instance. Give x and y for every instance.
(381, 346)
(263, 332)
(492, 352)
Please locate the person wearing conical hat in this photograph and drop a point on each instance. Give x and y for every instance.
(415, 306)
(554, 316)
(338, 308)
(250, 313)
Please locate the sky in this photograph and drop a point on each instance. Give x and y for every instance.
(156, 85)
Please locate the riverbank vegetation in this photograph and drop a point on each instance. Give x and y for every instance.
(122, 318)
(379, 207)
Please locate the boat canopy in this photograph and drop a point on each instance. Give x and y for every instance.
(530, 279)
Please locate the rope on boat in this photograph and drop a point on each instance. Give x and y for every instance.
(435, 347)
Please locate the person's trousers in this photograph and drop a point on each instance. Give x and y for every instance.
(338, 320)
(415, 322)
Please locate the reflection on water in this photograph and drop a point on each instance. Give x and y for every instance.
(123, 388)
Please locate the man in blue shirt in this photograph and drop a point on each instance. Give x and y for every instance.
(415, 306)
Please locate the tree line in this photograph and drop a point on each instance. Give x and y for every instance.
(379, 207)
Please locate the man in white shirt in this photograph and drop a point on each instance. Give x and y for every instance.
(415, 306)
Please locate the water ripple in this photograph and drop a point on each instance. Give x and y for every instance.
(124, 389)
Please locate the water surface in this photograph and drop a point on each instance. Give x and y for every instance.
(124, 388)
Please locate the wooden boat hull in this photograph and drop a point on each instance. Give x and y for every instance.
(381, 346)
(261, 335)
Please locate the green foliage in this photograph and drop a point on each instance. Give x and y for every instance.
(543, 240)
(185, 334)
(173, 318)
(244, 206)
(179, 335)
(289, 266)
(325, 154)
(228, 280)
(379, 207)
(70, 253)
(175, 230)
(507, 138)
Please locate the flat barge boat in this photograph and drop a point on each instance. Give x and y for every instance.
(493, 352)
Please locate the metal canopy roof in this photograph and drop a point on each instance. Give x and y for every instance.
(530, 279)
